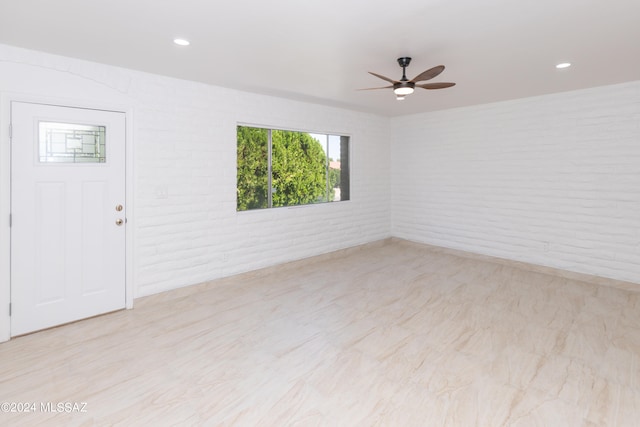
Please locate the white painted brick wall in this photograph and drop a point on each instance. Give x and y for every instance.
(551, 180)
(186, 228)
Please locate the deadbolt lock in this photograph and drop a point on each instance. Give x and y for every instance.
(119, 208)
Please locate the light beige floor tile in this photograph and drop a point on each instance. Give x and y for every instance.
(390, 334)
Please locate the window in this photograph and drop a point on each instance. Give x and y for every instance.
(287, 168)
(71, 143)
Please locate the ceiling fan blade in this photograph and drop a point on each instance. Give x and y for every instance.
(382, 77)
(429, 74)
(436, 85)
(374, 88)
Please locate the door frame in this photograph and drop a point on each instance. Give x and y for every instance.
(6, 98)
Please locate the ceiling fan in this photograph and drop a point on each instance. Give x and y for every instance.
(404, 86)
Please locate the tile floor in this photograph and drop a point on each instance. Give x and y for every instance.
(388, 334)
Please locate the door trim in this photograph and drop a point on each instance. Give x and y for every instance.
(6, 98)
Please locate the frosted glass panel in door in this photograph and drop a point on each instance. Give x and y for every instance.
(71, 143)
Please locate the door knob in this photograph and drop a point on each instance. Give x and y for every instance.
(119, 222)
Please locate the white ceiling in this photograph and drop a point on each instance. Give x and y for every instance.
(320, 51)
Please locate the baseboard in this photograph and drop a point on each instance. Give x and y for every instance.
(583, 277)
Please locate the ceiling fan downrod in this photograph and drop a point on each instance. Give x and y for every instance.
(404, 63)
(404, 86)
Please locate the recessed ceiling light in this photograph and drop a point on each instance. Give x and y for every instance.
(181, 42)
(563, 65)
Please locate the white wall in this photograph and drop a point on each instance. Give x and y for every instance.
(186, 228)
(551, 180)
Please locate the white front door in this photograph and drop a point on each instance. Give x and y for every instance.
(67, 214)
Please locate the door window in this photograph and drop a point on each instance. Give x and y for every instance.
(71, 143)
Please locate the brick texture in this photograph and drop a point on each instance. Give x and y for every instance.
(551, 180)
(186, 228)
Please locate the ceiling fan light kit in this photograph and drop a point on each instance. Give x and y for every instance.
(404, 86)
